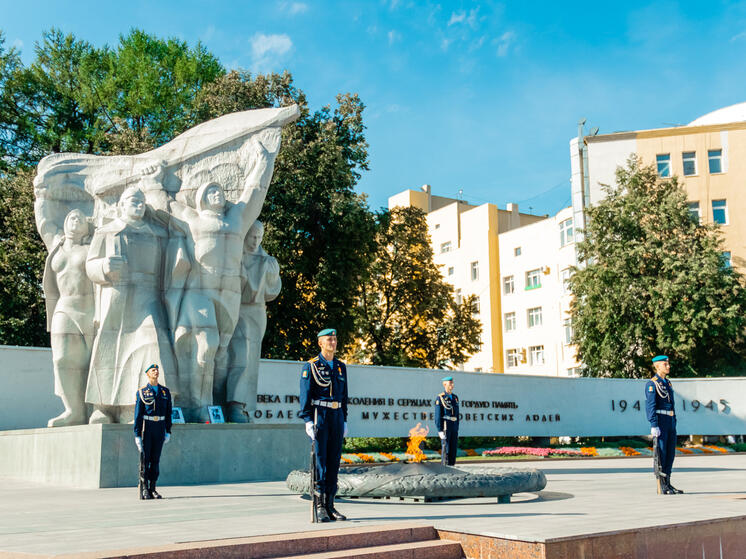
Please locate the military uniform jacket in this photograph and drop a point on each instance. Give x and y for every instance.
(148, 403)
(658, 396)
(446, 405)
(318, 381)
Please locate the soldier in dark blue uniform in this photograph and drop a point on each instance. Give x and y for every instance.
(660, 409)
(446, 419)
(323, 402)
(152, 428)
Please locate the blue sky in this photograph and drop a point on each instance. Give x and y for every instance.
(481, 97)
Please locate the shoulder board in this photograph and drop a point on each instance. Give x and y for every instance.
(314, 360)
(442, 394)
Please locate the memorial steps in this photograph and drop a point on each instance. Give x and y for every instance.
(390, 541)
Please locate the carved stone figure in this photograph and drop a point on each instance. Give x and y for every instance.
(260, 274)
(69, 302)
(164, 266)
(125, 262)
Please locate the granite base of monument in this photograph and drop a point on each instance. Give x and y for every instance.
(94, 456)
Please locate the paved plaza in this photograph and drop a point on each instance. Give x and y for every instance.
(581, 497)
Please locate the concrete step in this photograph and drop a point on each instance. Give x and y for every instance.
(432, 549)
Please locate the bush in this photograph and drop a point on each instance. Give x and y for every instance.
(374, 444)
(739, 447)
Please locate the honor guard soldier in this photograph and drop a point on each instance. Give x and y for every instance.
(660, 409)
(446, 420)
(323, 403)
(152, 429)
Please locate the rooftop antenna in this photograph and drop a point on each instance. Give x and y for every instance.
(530, 208)
(594, 130)
(460, 194)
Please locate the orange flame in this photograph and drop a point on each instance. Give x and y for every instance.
(417, 434)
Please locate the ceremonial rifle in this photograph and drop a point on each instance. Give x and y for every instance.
(141, 474)
(444, 443)
(657, 464)
(314, 492)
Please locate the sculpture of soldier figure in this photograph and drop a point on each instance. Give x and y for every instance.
(208, 313)
(125, 262)
(261, 284)
(69, 302)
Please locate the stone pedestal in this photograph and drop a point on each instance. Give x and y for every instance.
(94, 456)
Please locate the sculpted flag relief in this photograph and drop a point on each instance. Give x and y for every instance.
(156, 258)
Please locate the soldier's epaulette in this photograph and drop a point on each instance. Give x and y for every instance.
(442, 394)
(314, 360)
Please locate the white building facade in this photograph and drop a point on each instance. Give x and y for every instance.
(535, 264)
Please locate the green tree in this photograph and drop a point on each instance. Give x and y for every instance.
(317, 227)
(22, 256)
(654, 281)
(405, 313)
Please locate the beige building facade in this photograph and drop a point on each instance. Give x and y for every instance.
(465, 242)
(708, 155)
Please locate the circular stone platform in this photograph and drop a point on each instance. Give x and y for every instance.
(427, 480)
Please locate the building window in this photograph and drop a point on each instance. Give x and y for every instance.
(475, 305)
(566, 232)
(720, 212)
(511, 358)
(689, 159)
(664, 164)
(694, 212)
(566, 274)
(437, 225)
(573, 372)
(715, 160)
(474, 271)
(458, 296)
(450, 270)
(567, 327)
(477, 369)
(726, 259)
(508, 285)
(509, 321)
(534, 317)
(517, 251)
(533, 279)
(445, 247)
(536, 355)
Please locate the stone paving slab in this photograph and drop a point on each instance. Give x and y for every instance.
(582, 497)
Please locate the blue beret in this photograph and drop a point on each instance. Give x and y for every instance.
(327, 332)
(446, 379)
(660, 358)
(153, 366)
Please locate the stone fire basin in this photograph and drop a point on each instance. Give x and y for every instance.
(428, 480)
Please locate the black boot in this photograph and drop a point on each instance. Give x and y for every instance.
(333, 513)
(672, 488)
(145, 491)
(664, 488)
(153, 492)
(321, 514)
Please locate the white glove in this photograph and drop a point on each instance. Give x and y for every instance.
(442, 435)
(138, 443)
(309, 429)
(655, 431)
(346, 430)
(168, 437)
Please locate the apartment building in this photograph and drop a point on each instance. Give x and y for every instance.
(465, 239)
(708, 155)
(535, 263)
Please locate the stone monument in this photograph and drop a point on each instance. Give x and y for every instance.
(172, 268)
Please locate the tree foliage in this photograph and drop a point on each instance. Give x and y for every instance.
(654, 281)
(405, 314)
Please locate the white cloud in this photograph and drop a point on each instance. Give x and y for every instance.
(741, 35)
(294, 8)
(208, 34)
(462, 17)
(444, 44)
(394, 37)
(268, 50)
(457, 18)
(17, 44)
(504, 43)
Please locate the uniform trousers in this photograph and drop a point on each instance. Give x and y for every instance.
(667, 442)
(329, 439)
(451, 442)
(152, 444)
